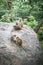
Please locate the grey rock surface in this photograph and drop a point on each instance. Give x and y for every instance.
(11, 53)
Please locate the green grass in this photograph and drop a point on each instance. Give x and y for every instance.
(41, 44)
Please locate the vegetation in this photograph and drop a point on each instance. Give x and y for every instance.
(31, 11)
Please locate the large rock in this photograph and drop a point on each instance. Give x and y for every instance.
(11, 53)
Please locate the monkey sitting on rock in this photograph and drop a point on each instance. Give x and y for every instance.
(18, 25)
(13, 38)
(17, 40)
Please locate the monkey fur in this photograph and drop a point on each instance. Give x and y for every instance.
(13, 38)
(16, 39)
(19, 41)
(18, 25)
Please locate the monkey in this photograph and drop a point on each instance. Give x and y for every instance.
(13, 38)
(18, 25)
(20, 22)
(19, 41)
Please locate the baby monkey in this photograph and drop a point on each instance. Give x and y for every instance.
(13, 38)
(16, 39)
(18, 25)
(19, 41)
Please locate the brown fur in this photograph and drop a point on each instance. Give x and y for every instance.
(19, 41)
(18, 25)
(13, 38)
(16, 39)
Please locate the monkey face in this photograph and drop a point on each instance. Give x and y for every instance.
(13, 38)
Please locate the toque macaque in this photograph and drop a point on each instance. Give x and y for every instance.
(17, 40)
(13, 38)
(18, 25)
